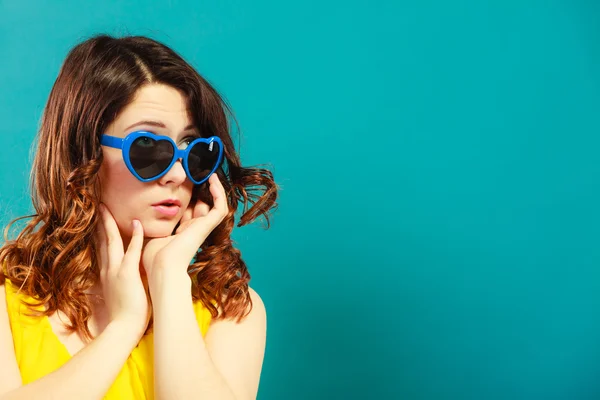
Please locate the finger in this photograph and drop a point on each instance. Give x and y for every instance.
(203, 226)
(114, 243)
(220, 209)
(131, 259)
(192, 234)
(185, 219)
(100, 228)
(195, 231)
(187, 214)
(101, 248)
(201, 209)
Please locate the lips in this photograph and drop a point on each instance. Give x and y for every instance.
(168, 203)
(168, 207)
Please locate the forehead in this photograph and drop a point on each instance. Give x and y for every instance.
(156, 102)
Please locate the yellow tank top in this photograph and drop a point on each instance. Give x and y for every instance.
(39, 352)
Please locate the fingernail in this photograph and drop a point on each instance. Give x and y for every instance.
(136, 223)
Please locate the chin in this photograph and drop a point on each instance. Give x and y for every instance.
(159, 228)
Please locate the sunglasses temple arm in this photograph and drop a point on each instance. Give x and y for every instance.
(111, 141)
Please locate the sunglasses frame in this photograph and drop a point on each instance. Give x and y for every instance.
(125, 145)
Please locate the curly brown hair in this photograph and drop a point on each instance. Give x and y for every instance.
(53, 258)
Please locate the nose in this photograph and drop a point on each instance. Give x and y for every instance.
(176, 175)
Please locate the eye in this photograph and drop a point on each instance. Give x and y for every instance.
(145, 142)
(186, 142)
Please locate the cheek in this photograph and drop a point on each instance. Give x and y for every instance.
(117, 182)
(119, 191)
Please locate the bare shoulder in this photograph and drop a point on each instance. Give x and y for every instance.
(11, 377)
(258, 306)
(255, 320)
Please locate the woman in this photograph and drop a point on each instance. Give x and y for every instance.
(125, 283)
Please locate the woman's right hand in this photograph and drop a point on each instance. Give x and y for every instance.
(125, 297)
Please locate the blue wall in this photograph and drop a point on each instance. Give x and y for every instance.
(438, 232)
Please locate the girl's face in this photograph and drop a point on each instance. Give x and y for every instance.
(161, 110)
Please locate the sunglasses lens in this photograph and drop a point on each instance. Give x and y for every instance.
(149, 157)
(202, 159)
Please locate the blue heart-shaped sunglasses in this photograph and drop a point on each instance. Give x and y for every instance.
(149, 156)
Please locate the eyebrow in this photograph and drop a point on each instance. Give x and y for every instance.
(157, 124)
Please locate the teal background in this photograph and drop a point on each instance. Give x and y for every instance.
(438, 229)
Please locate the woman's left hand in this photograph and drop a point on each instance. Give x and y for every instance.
(198, 221)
